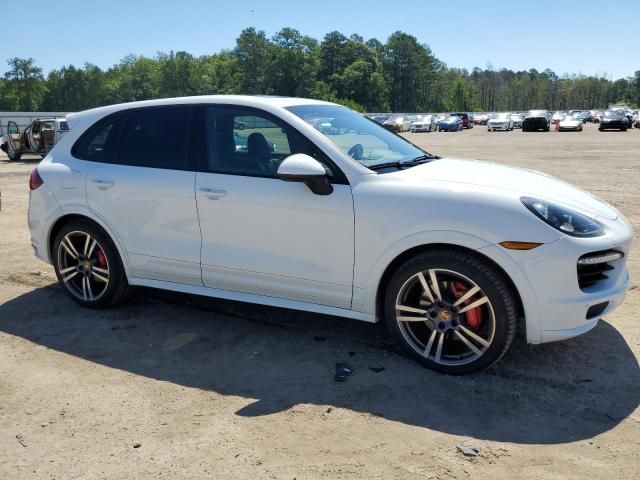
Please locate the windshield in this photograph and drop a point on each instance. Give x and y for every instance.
(502, 116)
(362, 139)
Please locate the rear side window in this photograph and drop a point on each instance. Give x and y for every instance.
(100, 142)
(156, 138)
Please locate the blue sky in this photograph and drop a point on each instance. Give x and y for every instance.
(568, 36)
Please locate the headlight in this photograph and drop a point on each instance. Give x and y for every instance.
(563, 219)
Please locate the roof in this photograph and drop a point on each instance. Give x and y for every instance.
(258, 101)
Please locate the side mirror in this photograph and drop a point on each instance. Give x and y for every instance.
(303, 168)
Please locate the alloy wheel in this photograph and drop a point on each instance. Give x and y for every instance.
(83, 266)
(445, 317)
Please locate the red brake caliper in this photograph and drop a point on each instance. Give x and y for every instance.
(473, 316)
(102, 260)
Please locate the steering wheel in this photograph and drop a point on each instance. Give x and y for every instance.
(356, 152)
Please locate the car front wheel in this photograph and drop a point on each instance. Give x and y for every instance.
(451, 311)
(88, 265)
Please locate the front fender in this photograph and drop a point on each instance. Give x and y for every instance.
(366, 283)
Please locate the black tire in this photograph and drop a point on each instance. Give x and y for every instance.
(12, 154)
(117, 288)
(493, 285)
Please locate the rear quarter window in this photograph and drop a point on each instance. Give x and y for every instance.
(100, 142)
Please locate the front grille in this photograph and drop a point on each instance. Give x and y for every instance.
(593, 267)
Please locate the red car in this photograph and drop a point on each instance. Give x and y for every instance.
(466, 119)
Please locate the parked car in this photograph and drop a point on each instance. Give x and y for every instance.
(614, 120)
(154, 194)
(466, 119)
(480, 118)
(571, 123)
(500, 121)
(426, 124)
(536, 120)
(626, 111)
(557, 116)
(397, 124)
(595, 116)
(517, 119)
(37, 139)
(452, 123)
(439, 117)
(380, 118)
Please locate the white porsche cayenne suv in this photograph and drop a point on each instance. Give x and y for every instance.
(455, 256)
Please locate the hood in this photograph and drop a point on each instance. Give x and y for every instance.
(520, 181)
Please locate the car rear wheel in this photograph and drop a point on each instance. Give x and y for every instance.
(451, 311)
(88, 265)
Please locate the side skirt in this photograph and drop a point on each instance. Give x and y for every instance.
(252, 298)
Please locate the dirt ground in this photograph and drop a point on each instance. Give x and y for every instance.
(174, 386)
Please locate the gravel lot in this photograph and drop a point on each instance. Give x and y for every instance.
(174, 386)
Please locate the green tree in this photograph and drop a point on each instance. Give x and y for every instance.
(24, 84)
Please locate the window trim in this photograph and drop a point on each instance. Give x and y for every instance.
(339, 178)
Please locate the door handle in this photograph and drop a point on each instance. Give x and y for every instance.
(212, 194)
(104, 184)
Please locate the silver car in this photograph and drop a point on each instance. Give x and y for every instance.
(500, 121)
(517, 119)
(427, 123)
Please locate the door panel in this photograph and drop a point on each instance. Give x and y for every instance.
(143, 186)
(153, 212)
(13, 135)
(275, 238)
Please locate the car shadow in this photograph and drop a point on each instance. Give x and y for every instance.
(31, 160)
(547, 394)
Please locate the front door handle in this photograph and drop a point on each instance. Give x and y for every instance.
(104, 184)
(213, 194)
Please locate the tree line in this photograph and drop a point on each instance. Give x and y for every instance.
(400, 75)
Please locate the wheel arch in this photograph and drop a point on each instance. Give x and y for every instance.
(66, 218)
(392, 267)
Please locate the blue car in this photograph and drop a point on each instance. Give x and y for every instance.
(450, 124)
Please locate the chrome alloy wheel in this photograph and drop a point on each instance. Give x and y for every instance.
(445, 317)
(83, 266)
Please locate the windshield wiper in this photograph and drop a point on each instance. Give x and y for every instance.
(405, 163)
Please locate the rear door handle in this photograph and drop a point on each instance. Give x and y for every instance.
(213, 194)
(103, 184)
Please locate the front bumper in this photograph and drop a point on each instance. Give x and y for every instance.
(555, 307)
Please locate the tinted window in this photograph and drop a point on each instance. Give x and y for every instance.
(156, 138)
(249, 142)
(100, 142)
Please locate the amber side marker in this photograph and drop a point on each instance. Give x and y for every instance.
(520, 245)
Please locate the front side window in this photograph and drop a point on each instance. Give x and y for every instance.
(156, 138)
(362, 139)
(243, 141)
